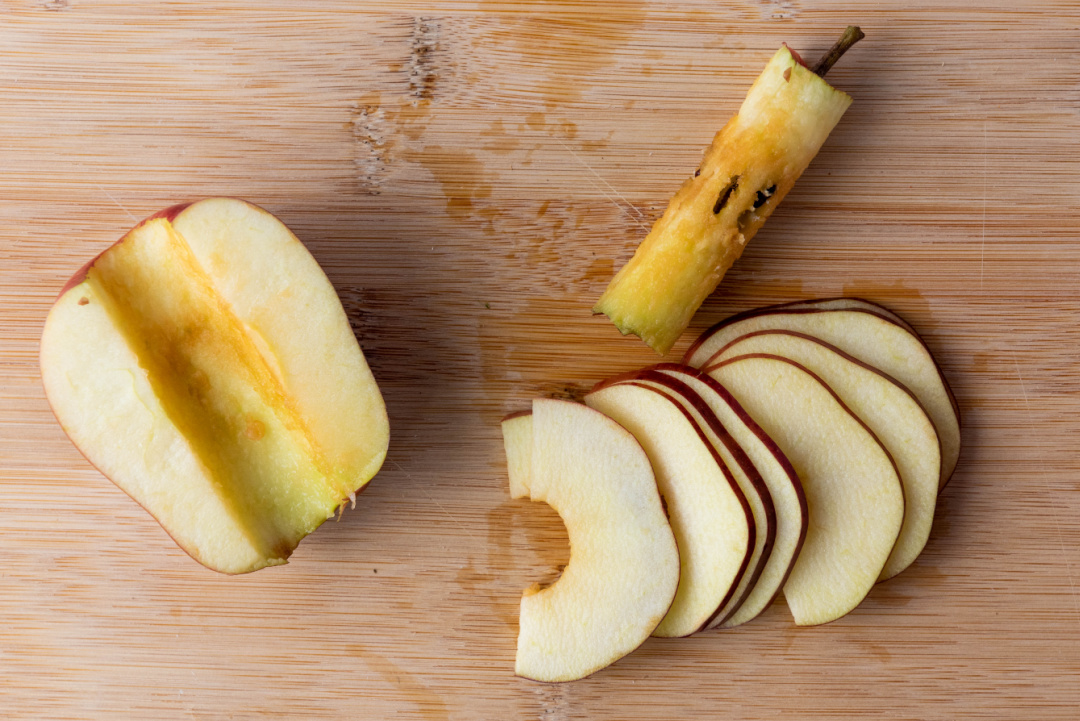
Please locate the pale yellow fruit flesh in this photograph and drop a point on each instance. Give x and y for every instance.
(853, 492)
(759, 501)
(517, 442)
(208, 393)
(871, 339)
(781, 125)
(288, 307)
(889, 410)
(707, 513)
(785, 491)
(216, 388)
(132, 440)
(624, 565)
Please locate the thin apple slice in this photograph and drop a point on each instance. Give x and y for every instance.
(205, 365)
(708, 513)
(889, 410)
(742, 470)
(843, 304)
(517, 430)
(864, 335)
(853, 491)
(780, 478)
(624, 565)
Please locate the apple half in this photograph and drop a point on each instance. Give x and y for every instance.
(863, 334)
(784, 487)
(887, 408)
(853, 491)
(624, 565)
(710, 516)
(205, 365)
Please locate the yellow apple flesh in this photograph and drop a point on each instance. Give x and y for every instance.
(624, 565)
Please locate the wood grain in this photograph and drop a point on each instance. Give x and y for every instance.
(470, 175)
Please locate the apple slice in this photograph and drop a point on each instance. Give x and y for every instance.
(741, 469)
(205, 365)
(708, 513)
(864, 335)
(517, 430)
(843, 304)
(780, 478)
(624, 565)
(889, 411)
(852, 488)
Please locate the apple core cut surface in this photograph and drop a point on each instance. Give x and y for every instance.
(868, 337)
(708, 513)
(624, 566)
(891, 413)
(853, 492)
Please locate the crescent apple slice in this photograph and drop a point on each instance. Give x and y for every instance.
(887, 408)
(741, 470)
(866, 336)
(624, 564)
(709, 514)
(780, 478)
(853, 491)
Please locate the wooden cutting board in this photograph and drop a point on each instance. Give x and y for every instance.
(470, 175)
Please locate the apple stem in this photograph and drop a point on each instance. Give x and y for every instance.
(851, 36)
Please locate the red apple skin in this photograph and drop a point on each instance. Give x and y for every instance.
(798, 58)
(516, 414)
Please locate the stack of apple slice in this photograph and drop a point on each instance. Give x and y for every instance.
(800, 447)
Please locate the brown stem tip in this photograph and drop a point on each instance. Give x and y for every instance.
(851, 36)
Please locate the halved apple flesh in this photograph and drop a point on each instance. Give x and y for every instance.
(741, 470)
(868, 337)
(853, 491)
(624, 565)
(708, 513)
(888, 409)
(205, 365)
(779, 477)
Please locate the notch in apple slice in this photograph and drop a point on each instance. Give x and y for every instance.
(853, 492)
(708, 513)
(624, 565)
(783, 485)
(742, 470)
(888, 409)
(868, 336)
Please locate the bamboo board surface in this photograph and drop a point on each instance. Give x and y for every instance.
(470, 175)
